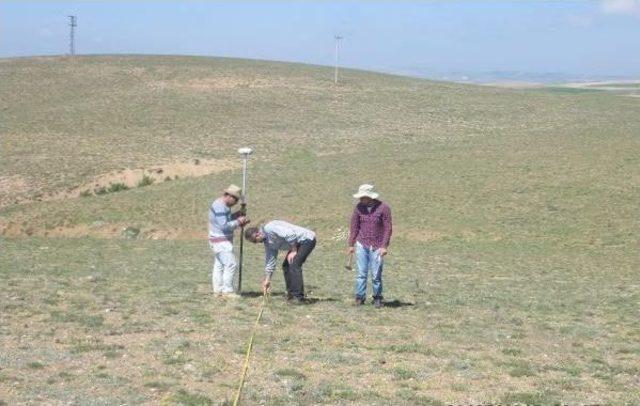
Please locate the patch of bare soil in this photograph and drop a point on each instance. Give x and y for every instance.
(101, 230)
(155, 174)
(12, 187)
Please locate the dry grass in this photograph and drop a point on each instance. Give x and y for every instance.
(512, 274)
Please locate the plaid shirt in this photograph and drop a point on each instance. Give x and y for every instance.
(371, 229)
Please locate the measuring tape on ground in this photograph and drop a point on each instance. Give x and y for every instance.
(245, 368)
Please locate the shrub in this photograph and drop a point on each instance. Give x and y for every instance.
(117, 187)
(145, 181)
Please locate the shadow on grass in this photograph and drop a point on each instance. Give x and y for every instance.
(310, 300)
(258, 294)
(397, 303)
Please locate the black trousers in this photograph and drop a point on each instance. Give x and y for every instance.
(293, 271)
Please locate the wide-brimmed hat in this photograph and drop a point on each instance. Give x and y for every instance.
(366, 191)
(234, 191)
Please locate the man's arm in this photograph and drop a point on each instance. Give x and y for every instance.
(386, 227)
(354, 228)
(270, 258)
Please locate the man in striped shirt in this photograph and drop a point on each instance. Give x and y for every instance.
(222, 224)
(278, 235)
(369, 237)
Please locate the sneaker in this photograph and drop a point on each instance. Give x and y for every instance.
(289, 296)
(377, 302)
(359, 301)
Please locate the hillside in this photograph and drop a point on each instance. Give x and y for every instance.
(68, 121)
(512, 275)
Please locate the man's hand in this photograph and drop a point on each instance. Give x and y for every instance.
(383, 252)
(291, 255)
(243, 221)
(266, 286)
(351, 250)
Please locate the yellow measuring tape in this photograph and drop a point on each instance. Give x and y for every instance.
(265, 300)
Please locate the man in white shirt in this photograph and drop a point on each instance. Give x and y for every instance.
(222, 224)
(278, 235)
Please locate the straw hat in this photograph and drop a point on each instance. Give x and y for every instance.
(366, 190)
(234, 191)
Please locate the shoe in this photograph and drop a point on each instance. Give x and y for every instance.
(377, 302)
(289, 296)
(298, 301)
(359, 301)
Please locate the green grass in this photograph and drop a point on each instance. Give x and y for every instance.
(512, 274)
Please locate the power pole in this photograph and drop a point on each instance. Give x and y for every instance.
(73, 25)
(335, 75)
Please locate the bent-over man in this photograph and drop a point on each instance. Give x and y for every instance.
(278, 235)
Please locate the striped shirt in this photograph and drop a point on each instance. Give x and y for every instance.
(221, 221)
(282, 236)
(371, 225)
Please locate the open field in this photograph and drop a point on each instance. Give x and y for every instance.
(512, 275)
(626, 88)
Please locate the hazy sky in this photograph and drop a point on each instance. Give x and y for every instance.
(573, 37)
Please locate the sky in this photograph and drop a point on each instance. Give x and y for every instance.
(595, 39)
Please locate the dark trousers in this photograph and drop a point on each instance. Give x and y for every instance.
(293, 271)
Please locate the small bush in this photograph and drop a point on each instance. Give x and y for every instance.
(145, 181)
(117, 187)
(291, 373)
(526, 398)
(183, 397)
(131, 232)
(85, 193)
(100, 191)
(401, 374)
(511, 351)
(520, 369)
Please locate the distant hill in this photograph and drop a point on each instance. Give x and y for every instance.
(93, 125)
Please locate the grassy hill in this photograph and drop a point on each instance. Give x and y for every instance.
(512, 274)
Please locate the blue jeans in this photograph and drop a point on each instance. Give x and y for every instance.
(368, 260)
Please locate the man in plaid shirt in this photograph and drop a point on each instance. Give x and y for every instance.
(369, 237)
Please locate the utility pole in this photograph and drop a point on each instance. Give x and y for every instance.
(72, 25)
(335, 75)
